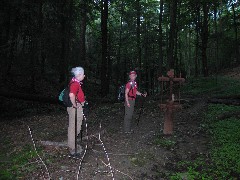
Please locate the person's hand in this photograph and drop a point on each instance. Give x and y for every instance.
(144, 95)
(78, 105)
(74, 106)
(128, 104)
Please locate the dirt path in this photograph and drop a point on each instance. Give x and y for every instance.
(145, 154)
(232, 73)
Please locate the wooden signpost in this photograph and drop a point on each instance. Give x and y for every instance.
(170, 106)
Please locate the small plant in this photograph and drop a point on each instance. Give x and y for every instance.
(161, 141)
(141, 159)
(18, 164)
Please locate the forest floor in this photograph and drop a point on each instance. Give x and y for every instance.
(145, 154)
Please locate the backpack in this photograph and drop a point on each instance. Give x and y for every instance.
(121, 92)
(64, 96)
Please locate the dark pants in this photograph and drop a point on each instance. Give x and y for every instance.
(128, 115)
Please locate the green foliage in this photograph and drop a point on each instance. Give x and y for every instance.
(215, 110)
(161, 141)
(213, 86)
(224, 161)
(18, 163)
(192, 170)
(225, 140)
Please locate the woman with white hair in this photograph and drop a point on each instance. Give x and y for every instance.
(77, 98)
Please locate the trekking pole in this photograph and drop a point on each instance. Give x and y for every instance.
(85, 112)
(140, 113)
(76, 132)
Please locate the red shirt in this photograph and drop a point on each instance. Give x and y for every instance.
(76, 89)
(132, 91)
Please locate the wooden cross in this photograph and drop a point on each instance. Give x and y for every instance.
(170, 105)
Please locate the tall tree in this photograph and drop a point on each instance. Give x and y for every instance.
(172, 33)
(13, 41)
(197, 31)
(216, 35)
(236, 32)
(66, 25)
(161, 37)
(139, 49)
(104, 64)
(119, 44)
(5, 34)
(204, 37)
(41, 57)
(83, 25)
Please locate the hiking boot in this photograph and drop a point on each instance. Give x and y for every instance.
(73, 153)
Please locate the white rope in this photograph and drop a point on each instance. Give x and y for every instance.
(117, 170)
(105, 151)
(86, 147)
(30, 132)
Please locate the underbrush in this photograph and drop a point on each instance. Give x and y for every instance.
(223, 160)
(17, 163)
(212, 86)
(222, 126)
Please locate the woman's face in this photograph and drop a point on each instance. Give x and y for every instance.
(132, 77)
(80, 77)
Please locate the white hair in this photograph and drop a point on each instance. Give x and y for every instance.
(77, 71)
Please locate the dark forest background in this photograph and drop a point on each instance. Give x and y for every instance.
(40, 41)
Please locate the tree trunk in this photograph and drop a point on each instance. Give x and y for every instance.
(41, 57)
(109, 64)
(32, 65)
(216, 37)
(104, 65)
(236, 33)
(17, 23)
(176, 59)
(189, 47)
(83, 25)
(161, 38)
(62, 63)
(172, 34)
(5, 37)
(66, 25)
(118, 72)
(138, 36)
(197, 29)
(146, 57)
(69, 33)
(204, 36)
(139, 50)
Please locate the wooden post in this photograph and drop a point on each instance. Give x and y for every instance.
(170, 105)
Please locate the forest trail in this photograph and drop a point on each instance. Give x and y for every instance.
(145, 154)
(232, 73)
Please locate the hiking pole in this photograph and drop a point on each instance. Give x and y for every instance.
(85, 112)
(140, 113)
(76, 132)
(81, 130)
